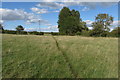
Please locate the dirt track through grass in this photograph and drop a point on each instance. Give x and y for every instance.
(73, 73)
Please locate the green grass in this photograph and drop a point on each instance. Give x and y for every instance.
(31, 56)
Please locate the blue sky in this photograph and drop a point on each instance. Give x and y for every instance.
(28, 14)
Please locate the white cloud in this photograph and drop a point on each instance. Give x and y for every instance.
(90, 28)
(39, 11)
(42, 11)
(53, 28)
(40, 21)
(59, 5)
(31, 29)
(35, 9)
(49, 0)
(88, 23)
(90, 5)
(48, 24)
(1, 21)
(56, 11)
(52, 5)
(18, 14)
(85, 9)
(8, 14)
(60, 0)
(116, 23)
(89, 0)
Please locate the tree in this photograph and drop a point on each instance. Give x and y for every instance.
(105, 20)
(83, 26)
(70, 22)
(1, 28)
(101, 24)
(64, 14)
(19, 28)
(115, 32)
(72, 25)
(98, 29)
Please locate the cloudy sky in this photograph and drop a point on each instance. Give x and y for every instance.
(43, 16)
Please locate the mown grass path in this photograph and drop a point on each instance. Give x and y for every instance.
(73, 73)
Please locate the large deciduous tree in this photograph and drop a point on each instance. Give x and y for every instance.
(64, 14)
(102, 24)
(70, 22)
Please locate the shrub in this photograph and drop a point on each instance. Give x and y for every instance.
(62, 34)
(31, 32)
(54, 33)
(78, 33)
(71, 34)
(85, 33)
(115, 32)
(36, 33)
(10, 32)
(105, 34)
(41, 33)
(23, 32)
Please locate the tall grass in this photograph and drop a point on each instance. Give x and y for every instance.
(39, 57)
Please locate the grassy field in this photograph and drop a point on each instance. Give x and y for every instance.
(31, 56)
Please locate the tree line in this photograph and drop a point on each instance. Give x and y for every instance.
(70, 23)
(19, 30)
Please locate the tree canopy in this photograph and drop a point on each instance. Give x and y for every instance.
(101, 24)
(105, 20)
(19, 28)
(70, 22)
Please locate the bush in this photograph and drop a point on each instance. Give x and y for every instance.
(99, 34)
(78, 33)
(10, 32)
(113, 34)
(41, 33)
(110, 34)
(36, 33)
(71, 34)
(23, 32)
(14, 32)
(105, 34)
(33, 32)
(47, 32)
(85, 33)
(62, 34)
(54, 33)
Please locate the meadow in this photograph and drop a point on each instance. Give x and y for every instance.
(47, 56)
